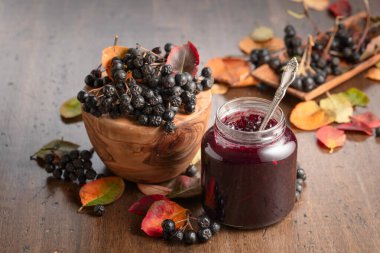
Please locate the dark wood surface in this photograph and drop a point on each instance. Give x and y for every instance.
(47, 47)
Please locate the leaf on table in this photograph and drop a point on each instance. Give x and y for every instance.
(368, 118)
(262, 34)
(318, 5)
(232, 71)
(340, 8)
(296, 15)
(356, 97)
(142, 206)
(372, 48)
(71, 108)
(219, 89)
(59, 147)
(184, 58)
(340, 105)
(355, 126)
(184, 186)
(309, 116)
(331, 137)
(373, 74)
(197, 157)
(151, 189)
(110, 52)
(158, 212)
(102, 191)
(247, 44)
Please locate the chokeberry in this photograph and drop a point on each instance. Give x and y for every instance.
(143, 119)
(204, 221)
(191, 170)
(90, 174)
(180, 79)
(168, 115)
(49, 168)
(57, 173)
(206, 72)
(301, 173)
(74, 154)
(89, 80)
(167, 69)
(168, 226)
(82, 95)
(377, 132)
(177, 236)
(190, 237)
(189, 108)
(168, 47)
(215, 227)
(99, 210)
(49, 158)
(85, 154)
(169, 126)
(207, 83)
(204, 234)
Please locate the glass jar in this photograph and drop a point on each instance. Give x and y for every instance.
(248, 178)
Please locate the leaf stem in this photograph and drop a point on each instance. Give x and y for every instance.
(367, 25)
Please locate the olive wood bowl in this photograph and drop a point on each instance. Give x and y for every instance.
(148, 154)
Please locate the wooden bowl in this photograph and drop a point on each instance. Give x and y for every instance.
(148, 154)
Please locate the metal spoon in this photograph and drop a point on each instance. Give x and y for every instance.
(287, 78)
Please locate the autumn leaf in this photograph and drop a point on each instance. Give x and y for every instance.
(340, 105)
(368, 118)
(102, 191)
(110, 52)
(372, 48)
(355, 126)
(331, 137)
(71, 108)
(247, 44)
(184, 58)
(373, 74)
(340, 8)
(309, 116)
(319, 5)
(219, 89)
(296, 15)
(59, 147)
(150, 189)
(158, 212)
(262, 34)
(142, 206)
(356, 97)
(232, 71)
(185, 187)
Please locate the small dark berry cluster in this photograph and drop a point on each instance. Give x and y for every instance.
(259, 57)
(75, 166)
(301, 177)
(207, 229)
(377, 132)
(143, 86)
(341, 47)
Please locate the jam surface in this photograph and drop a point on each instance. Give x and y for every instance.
(248, 186)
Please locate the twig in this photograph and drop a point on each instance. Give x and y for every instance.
(116, 40)
(367, 25)
(325, 53)
(312, 22)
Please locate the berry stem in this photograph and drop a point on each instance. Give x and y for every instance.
(312, 22)
(147, 50)
(367, 26)
(116, 40)
(325, 53)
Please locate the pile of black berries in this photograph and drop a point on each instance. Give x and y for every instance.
(144, 87)
(75, 166)
(207, 229)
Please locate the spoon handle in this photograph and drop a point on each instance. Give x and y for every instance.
(287, 78)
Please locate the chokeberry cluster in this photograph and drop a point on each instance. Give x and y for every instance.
(142, 85)
(206, 229)
(75, 166)
(301, 177)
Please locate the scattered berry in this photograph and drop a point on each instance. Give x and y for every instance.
(99, 210)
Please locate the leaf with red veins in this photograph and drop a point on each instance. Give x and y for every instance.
(340, 8)
(142, 206)
(355, 126)
(184, 58)
(158, 212)
(368, 118)
(331, 137)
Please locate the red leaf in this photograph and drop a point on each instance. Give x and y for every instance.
(340, 8)
(355, 126)
(331, 137)
(368, 119)
(184, 58)
(141, 206)
(158, 212)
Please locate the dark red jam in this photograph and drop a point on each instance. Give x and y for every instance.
(248, 184)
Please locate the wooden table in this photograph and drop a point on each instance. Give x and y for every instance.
(47, 47)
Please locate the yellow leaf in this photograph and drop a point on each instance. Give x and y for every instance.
(309, 116)
(374, 74)
(110, 52)
(340, 105)
(319, 5)
(296, 15)
(71, 108)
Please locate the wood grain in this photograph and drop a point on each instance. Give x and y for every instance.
(47, 48)
(149, 154)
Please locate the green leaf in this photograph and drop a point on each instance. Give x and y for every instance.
(296, 15)
(71, 108)
(59, 147)
(102, 191)
(356, 97)
(340, 105)
(261, 34)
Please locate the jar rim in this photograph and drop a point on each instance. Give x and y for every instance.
(244, 136)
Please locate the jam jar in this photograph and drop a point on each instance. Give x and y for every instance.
(248, 176)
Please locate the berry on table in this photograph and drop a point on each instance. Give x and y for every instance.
(191, 170)
(190, 237)
(204, 221)
(215, 227)
(206, 72)
(204, 234)
(99, 210)
(168, 226)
